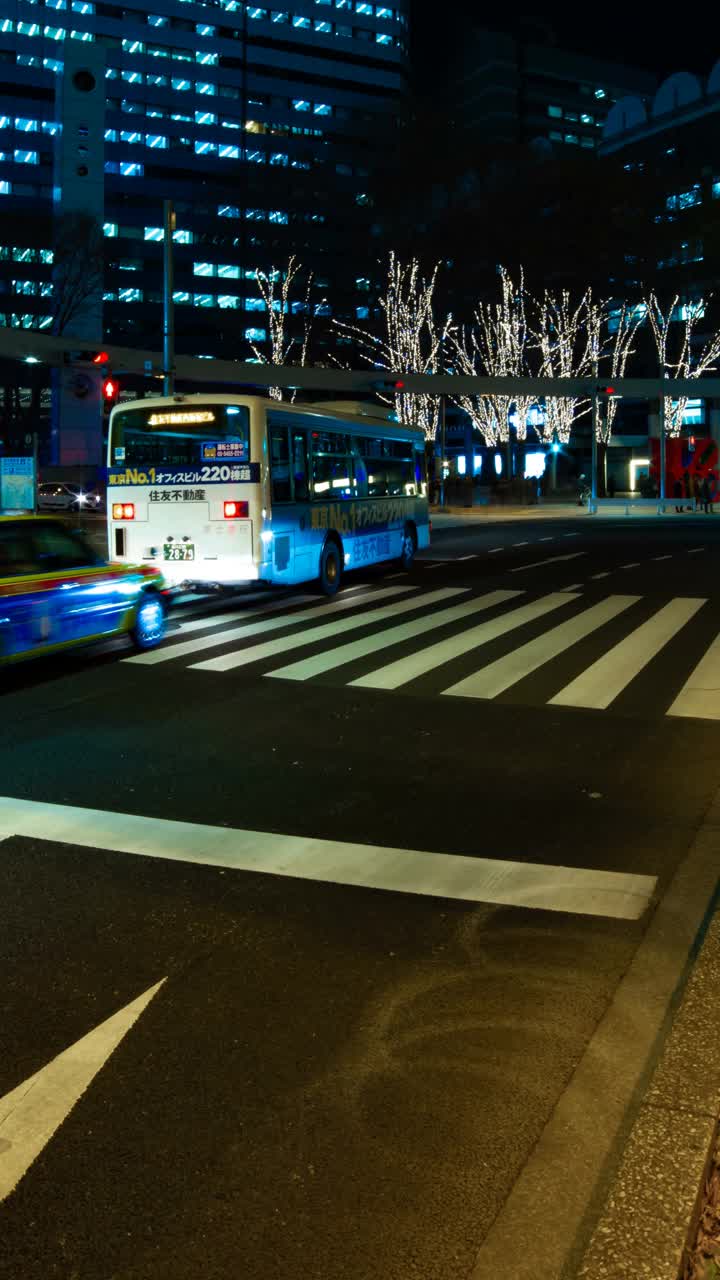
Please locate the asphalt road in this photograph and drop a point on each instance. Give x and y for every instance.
(339, 1080)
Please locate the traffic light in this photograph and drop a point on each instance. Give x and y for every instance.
(606, 392)
(110, 391)
(95, 357)
(391, 385)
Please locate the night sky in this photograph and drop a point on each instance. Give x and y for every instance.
(605, 31)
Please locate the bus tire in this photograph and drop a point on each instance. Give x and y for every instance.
(150, 622)
(408, 547)
(330, 567)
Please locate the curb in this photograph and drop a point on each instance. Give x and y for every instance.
(650, 1217)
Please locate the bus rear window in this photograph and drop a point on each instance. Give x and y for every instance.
(182, 435)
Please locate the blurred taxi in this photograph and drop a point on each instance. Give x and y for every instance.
(57, 593)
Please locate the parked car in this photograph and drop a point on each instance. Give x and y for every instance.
(57, 593)
(67, 497)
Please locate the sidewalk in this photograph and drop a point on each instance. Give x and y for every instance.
(457, 517)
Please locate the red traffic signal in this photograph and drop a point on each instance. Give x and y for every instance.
(100, 357)
(111, 391)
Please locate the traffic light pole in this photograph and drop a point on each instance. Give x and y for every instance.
(594, 463)
(661, 417)
(168, 305)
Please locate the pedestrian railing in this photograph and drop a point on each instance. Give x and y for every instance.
(661, 505)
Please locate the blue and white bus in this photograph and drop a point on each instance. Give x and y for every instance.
(227, 489)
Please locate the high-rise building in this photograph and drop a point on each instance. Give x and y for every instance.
(262, 124)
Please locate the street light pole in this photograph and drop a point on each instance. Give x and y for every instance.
(168, 305)
(593, 466)
(661, 418)
(442, 451)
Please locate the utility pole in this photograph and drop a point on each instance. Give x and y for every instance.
(168, 304)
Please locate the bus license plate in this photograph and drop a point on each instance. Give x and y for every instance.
(178, 551)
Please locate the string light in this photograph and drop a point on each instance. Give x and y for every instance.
(277, 308)
(690, 363)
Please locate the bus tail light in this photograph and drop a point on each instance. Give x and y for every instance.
(123, 511)
(235, 510)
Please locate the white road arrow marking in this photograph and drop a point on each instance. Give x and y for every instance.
(31, 1113)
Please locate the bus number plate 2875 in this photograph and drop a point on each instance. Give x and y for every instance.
(178, 551)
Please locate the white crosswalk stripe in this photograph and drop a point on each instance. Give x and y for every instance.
(279, 628)
(601, 683)
(499, 676)
(326, 630)
(216, 638)
(321, 662)
(418, 664)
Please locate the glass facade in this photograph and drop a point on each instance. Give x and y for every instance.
(261, 124)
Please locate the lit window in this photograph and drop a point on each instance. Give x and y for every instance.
(362, 313)
(130, 295)
(230, 6)
(157, 20)
(255, 215)
(158, 51)
(28, 29)
(362, 6)
(25, 157)
(55, 4)
(205, 148)
(46, 256)
(381, 12)
(178, 115)
(182, 237)
(382, 38)
(571, 137)
(229, 271)
(5, 187)
(600, 93)
(110, 229)
(322, 26)
(277, 16)
(277, 215)
(203, 268)
(231, 124)
(50, 127)
(24, 286)
(180, 295)
(203, 87)
(130, 135)
(322, 309)
(132, 77)
(204, 29)
(203, 300)
(254, 304)
(228, 211)
(25, 126)
(111, 135)
(207, 59)
(157, 141)
(227, 152)
(6, 26)
(256, 13)
(255, 335)
(205, 117)
(253, 157)
(130, 170)
(363, 198)
(53, 33)
(181, 85)
(300, 104)
(300, 21)
(555, 112)
(153, 233)
(322, 109)
(279, 157)
(586, 119)
(133, 46)
(112, 73)
(228, 301)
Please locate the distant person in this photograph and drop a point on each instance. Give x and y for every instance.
(706, 495)
(678, 494)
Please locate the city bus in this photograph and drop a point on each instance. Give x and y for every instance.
(221, 490)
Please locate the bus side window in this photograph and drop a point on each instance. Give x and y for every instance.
(280, 465)
(299, 465)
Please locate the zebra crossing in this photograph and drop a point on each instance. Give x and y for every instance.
(556, 649)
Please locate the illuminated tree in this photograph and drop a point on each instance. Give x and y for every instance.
(276, 288)
(412, 340)
(674, 329)
(568, 340)
(496, 345)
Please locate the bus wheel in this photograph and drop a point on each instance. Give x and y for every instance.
(408, 547)
(330, 568)
(148, 629)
